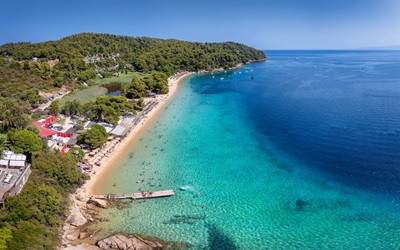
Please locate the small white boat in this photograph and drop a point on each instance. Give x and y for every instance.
(183, 188)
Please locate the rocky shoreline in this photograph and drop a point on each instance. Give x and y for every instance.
(76, 235)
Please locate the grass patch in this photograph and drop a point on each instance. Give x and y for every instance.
(90, 93)
(84, 95)
(122, 78)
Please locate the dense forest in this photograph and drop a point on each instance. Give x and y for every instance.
(30, 220)
(143, 53)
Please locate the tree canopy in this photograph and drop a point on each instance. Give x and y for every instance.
(108, 108)
(143, 53)
(54, 108)
(72, 108)
(24, 141)
(59, 167)
(95, 137)
(14, 113)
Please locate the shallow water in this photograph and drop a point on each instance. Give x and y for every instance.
(305, 155)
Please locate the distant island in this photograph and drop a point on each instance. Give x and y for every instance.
(36, 81)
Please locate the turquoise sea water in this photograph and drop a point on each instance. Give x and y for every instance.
(304, 156)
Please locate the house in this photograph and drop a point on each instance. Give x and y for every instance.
(43, 126)
(14, 172)
(125, 125)
(56, 139)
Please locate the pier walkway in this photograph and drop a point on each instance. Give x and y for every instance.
(134, 196)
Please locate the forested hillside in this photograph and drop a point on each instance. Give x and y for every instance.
(24, 80)
(143, 53)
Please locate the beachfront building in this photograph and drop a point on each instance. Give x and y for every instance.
(125, 125)
(57, 136)
(14, 172)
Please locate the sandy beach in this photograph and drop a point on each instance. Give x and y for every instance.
(112, 161)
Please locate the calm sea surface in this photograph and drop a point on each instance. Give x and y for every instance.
(306, 155)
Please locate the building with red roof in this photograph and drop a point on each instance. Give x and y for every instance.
(44, 132)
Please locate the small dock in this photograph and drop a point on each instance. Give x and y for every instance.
(135, 196)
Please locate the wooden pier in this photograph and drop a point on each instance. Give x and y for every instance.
(134, 196)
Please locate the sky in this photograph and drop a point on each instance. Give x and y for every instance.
(263, 24)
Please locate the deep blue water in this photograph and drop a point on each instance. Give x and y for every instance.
(336, 111)
(303, 156)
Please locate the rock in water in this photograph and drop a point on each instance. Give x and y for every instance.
(120, 241)
(98, 203)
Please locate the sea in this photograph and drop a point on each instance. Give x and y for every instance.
(301, 151)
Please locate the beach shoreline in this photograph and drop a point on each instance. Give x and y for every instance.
(75, 231)
(109, 163)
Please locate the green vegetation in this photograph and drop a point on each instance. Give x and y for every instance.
(24, 141)
(72, 108)
(139, 105)
(34, 215)
(22, 82)
(85, 95)
(156, 82)
(76, 153)
(86, 75)
(109, 108)
(13, 114)
(95, 137)
(54, 108)
(143, 53)
(121, 78)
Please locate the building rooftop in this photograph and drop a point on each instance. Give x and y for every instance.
(12, 167)
(11, 156)
(45, 132)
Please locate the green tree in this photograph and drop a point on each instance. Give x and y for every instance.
(24, 141)
(34, 129)
(93, 137)
(13, 113)
(59, 167)
(160, 85)
(72, 108)
(31, 235)
(58, 81)
(5, 236)
(135, 89)
(101, 129)
(110, 108)
(76, 153)
(32, 96)
(86, 75)
(54, 108)
(139, 105)
(135, 78)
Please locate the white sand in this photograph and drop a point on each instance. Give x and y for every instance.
(112, 161)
